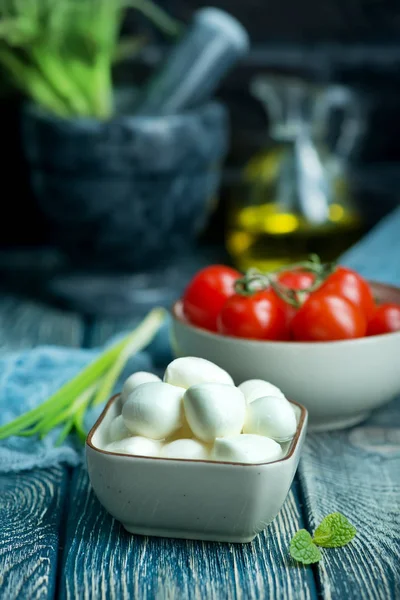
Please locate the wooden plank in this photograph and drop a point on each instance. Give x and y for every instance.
(27, 324)
(103, 561)
(30, 513)
(31, 503)
(357, 472)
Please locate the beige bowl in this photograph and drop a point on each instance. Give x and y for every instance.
(190, 499)
(338, 382)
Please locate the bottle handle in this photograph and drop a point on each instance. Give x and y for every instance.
(281, 104)
(352, 126)
(268, 98)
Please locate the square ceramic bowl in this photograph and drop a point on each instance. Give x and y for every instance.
(338, 382)
(190, 499)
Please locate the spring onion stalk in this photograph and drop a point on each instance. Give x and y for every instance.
(66, 394)
(141, 337)
(51, 421)
(79, 415)
(156, 15)
(31, 83)
(65, 431)
(96, 381)
(60, 53)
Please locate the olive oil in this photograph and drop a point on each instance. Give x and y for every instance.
(266, 233)
(266, 238)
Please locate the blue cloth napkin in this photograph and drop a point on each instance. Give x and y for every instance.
(27, 378)
(377, 255)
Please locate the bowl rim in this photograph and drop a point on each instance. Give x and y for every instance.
(178, 315)
(293, 444)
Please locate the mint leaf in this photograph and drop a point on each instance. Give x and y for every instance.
(334, 531)
(303, 549)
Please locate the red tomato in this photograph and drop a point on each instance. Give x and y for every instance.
(296, 280)
(326, 317)
(386, 319)
(206, 294)
(290, 312)
(350, 285)
(260, 316)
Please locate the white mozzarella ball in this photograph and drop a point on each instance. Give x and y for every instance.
(214, 410)
(182, 433)
(188, 371)
(246, 448)
(257, 388)
(272, 417)
(118, 430)
(154, 410)
(135, 445)
(186, 448)
(134, 381)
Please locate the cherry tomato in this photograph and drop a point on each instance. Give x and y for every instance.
(260, 316)
(327, 317)
(350, 285)
(296, 280)
(386, 319)
(206, 294)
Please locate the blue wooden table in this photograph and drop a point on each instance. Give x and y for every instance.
(56, 541)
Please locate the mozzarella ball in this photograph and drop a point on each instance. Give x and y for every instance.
(214, 410)
(272, 417)
(246, 448)
(183, 433)
(135, 445)
(134, 381)
(118, 430)
(256, 388)
(186, 448)
(187, 371)
(154, 410)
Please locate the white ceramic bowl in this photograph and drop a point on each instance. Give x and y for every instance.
(338, 382)
(190, 499)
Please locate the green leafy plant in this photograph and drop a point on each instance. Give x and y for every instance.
(60, 53)
(334, 531)
(93, 385)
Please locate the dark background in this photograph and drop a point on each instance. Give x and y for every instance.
(350, 41)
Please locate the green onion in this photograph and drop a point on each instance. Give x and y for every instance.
(141, 337)
(60, 53)
(69, 404)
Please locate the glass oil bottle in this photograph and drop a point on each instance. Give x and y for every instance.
(295, 199)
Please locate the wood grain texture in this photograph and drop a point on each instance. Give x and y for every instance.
(31, 503)
(103, 561)
(357, 472)
(27, 324)
(30, 513)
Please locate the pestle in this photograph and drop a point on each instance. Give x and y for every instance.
(192, 71)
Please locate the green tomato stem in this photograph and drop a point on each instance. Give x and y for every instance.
(255, 280)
